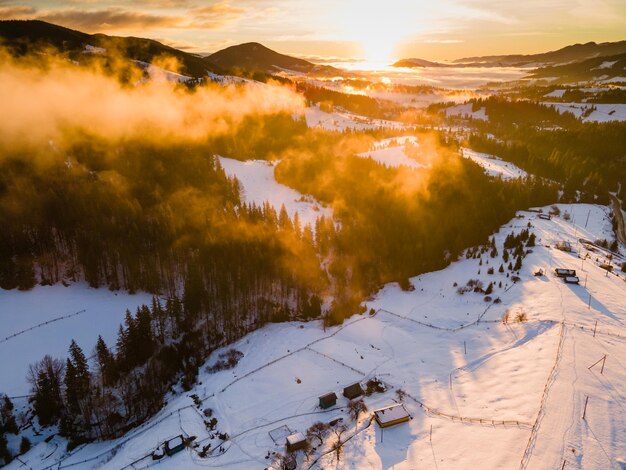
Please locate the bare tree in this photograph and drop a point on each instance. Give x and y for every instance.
(356, 408)
(318, 431)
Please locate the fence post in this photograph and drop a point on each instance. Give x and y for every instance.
(594, 329)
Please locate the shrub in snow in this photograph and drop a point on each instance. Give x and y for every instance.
(374, 385)
(227, 360)
(521, 317)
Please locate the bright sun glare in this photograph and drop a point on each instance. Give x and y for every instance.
(377, 27)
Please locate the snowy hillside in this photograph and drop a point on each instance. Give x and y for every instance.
(593, 112)
(494, 166)
(342, 120)
(260, 186)
(393, 152)
(481, 392)
(45, 320)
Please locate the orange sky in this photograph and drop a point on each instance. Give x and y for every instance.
(374, 30)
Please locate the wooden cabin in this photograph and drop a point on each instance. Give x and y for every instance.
(571, 280)
(562, 272)
(174, 445)
(564, 246)
(545, 216)
(328, 400)
(353, 391)
(295, 441)
(391, 415)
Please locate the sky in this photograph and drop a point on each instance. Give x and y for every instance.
(376, 31)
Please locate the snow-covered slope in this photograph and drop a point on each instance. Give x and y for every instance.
(392, 152)
(45, 319)
(481, 393)
(595, 112)
(260, 186)
(494, 166)
(342, 120)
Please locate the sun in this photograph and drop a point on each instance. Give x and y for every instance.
(377, 27)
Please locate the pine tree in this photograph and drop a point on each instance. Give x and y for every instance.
(518, 263)
(106, 362)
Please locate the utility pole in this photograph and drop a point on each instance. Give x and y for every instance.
(594, 329)
(588, 214)
(465, 347)
(589, 305)
(585, 410)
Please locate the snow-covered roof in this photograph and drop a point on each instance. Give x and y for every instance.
(295, 438)
(391, 413)
(175, 442)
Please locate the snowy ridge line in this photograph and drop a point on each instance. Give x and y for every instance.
(462, 419)
(342, 443)
(551, 378)
(283, 357)
(41, 324)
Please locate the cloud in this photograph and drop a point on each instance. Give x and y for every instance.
(54, 101)
(115, 18)
(215, 16)
(15, 12)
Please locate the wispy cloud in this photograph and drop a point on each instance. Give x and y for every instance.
(115, 18)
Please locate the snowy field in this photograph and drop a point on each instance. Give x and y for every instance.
(31, 325)
(260, 186)
(342, 120)
(465, 111)
(481, 393)
(494, 166)
(602, 113)
(392, 152)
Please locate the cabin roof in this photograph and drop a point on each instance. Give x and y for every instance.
(391, 413)
(295, 438)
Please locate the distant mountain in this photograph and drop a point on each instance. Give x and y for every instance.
(22, 37)
(598, 68)
(414, 63)
(574, 53)
(255, 57)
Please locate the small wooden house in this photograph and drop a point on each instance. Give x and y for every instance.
(391, 415)
(545, 216)
(174, 445)
(353, 391)
(328, 400)
(561, 272)
(571, 280)
(564, 246)
(296, 441)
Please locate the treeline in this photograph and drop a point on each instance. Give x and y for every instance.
(161, 345)
(152, 217)
(396, 223)
(587, 158)
(358, 104)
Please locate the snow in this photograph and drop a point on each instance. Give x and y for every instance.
(465, 111)
(160, 74)
(391, 413)
(602, 113)
(613, 79)
(342, 120)
(392, 153)
(104, 310)
(260, 186)
(89, 49)
(494, 166)
(295, 438)
(482, 393)
(607, 64)
(555, 94)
